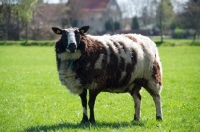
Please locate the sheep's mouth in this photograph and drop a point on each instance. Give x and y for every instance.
(71, 50)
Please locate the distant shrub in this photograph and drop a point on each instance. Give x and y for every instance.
(135, 24)
(182, 33)
(29, 43)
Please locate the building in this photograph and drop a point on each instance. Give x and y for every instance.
(96, 13)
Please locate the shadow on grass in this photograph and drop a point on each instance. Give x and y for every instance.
(158, 43)
(69, 126)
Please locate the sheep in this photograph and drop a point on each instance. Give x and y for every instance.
(120, 63)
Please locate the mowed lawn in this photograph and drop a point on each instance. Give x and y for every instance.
(32, 99)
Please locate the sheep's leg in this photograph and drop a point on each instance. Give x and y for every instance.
(156, 98)
(83, 97)
(137, 100)
(92, 97)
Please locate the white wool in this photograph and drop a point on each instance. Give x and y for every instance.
(67, 55)
(98, 63)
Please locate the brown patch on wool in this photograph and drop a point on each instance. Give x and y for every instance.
(131, 37)
(114, 74)
(134, 40)
(84, 67)
(108, 77)
(121, 66)
(156, 74)
(121, 62)
(129, 69)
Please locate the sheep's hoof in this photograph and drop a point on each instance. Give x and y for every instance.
(158, 118)
(84, 121)
(92, 121)
(135, 118)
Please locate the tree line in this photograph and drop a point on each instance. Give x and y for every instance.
(14, 17)
(163, 15)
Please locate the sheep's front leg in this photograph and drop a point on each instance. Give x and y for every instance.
(92, 97)
(83, 97)
(137, 102)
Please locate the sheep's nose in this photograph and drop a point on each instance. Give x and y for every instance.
(72, 47)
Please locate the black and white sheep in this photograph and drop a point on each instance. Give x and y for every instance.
(110, 63)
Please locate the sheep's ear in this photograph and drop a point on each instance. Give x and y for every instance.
(57, 30)
(84, 29)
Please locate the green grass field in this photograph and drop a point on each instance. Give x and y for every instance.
(32, 99)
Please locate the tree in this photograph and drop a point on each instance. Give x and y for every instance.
(135, 24)
(190, 17)
(72, 12)
(40, 1)
(108, 25)
(145, 15)
(117, 26)
(15, 12)
(111, 26)
(25, 8)
(148, 12)
(8, 21)
(165, 15)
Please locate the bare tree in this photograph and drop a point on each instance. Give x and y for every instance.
(147, 11)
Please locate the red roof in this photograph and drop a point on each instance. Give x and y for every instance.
(91, 5)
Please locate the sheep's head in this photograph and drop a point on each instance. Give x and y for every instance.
(70, 37)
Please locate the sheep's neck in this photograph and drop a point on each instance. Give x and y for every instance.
(70, 64)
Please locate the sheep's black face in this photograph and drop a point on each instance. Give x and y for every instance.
(70, 37)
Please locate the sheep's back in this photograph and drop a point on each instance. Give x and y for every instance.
(113, 63)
